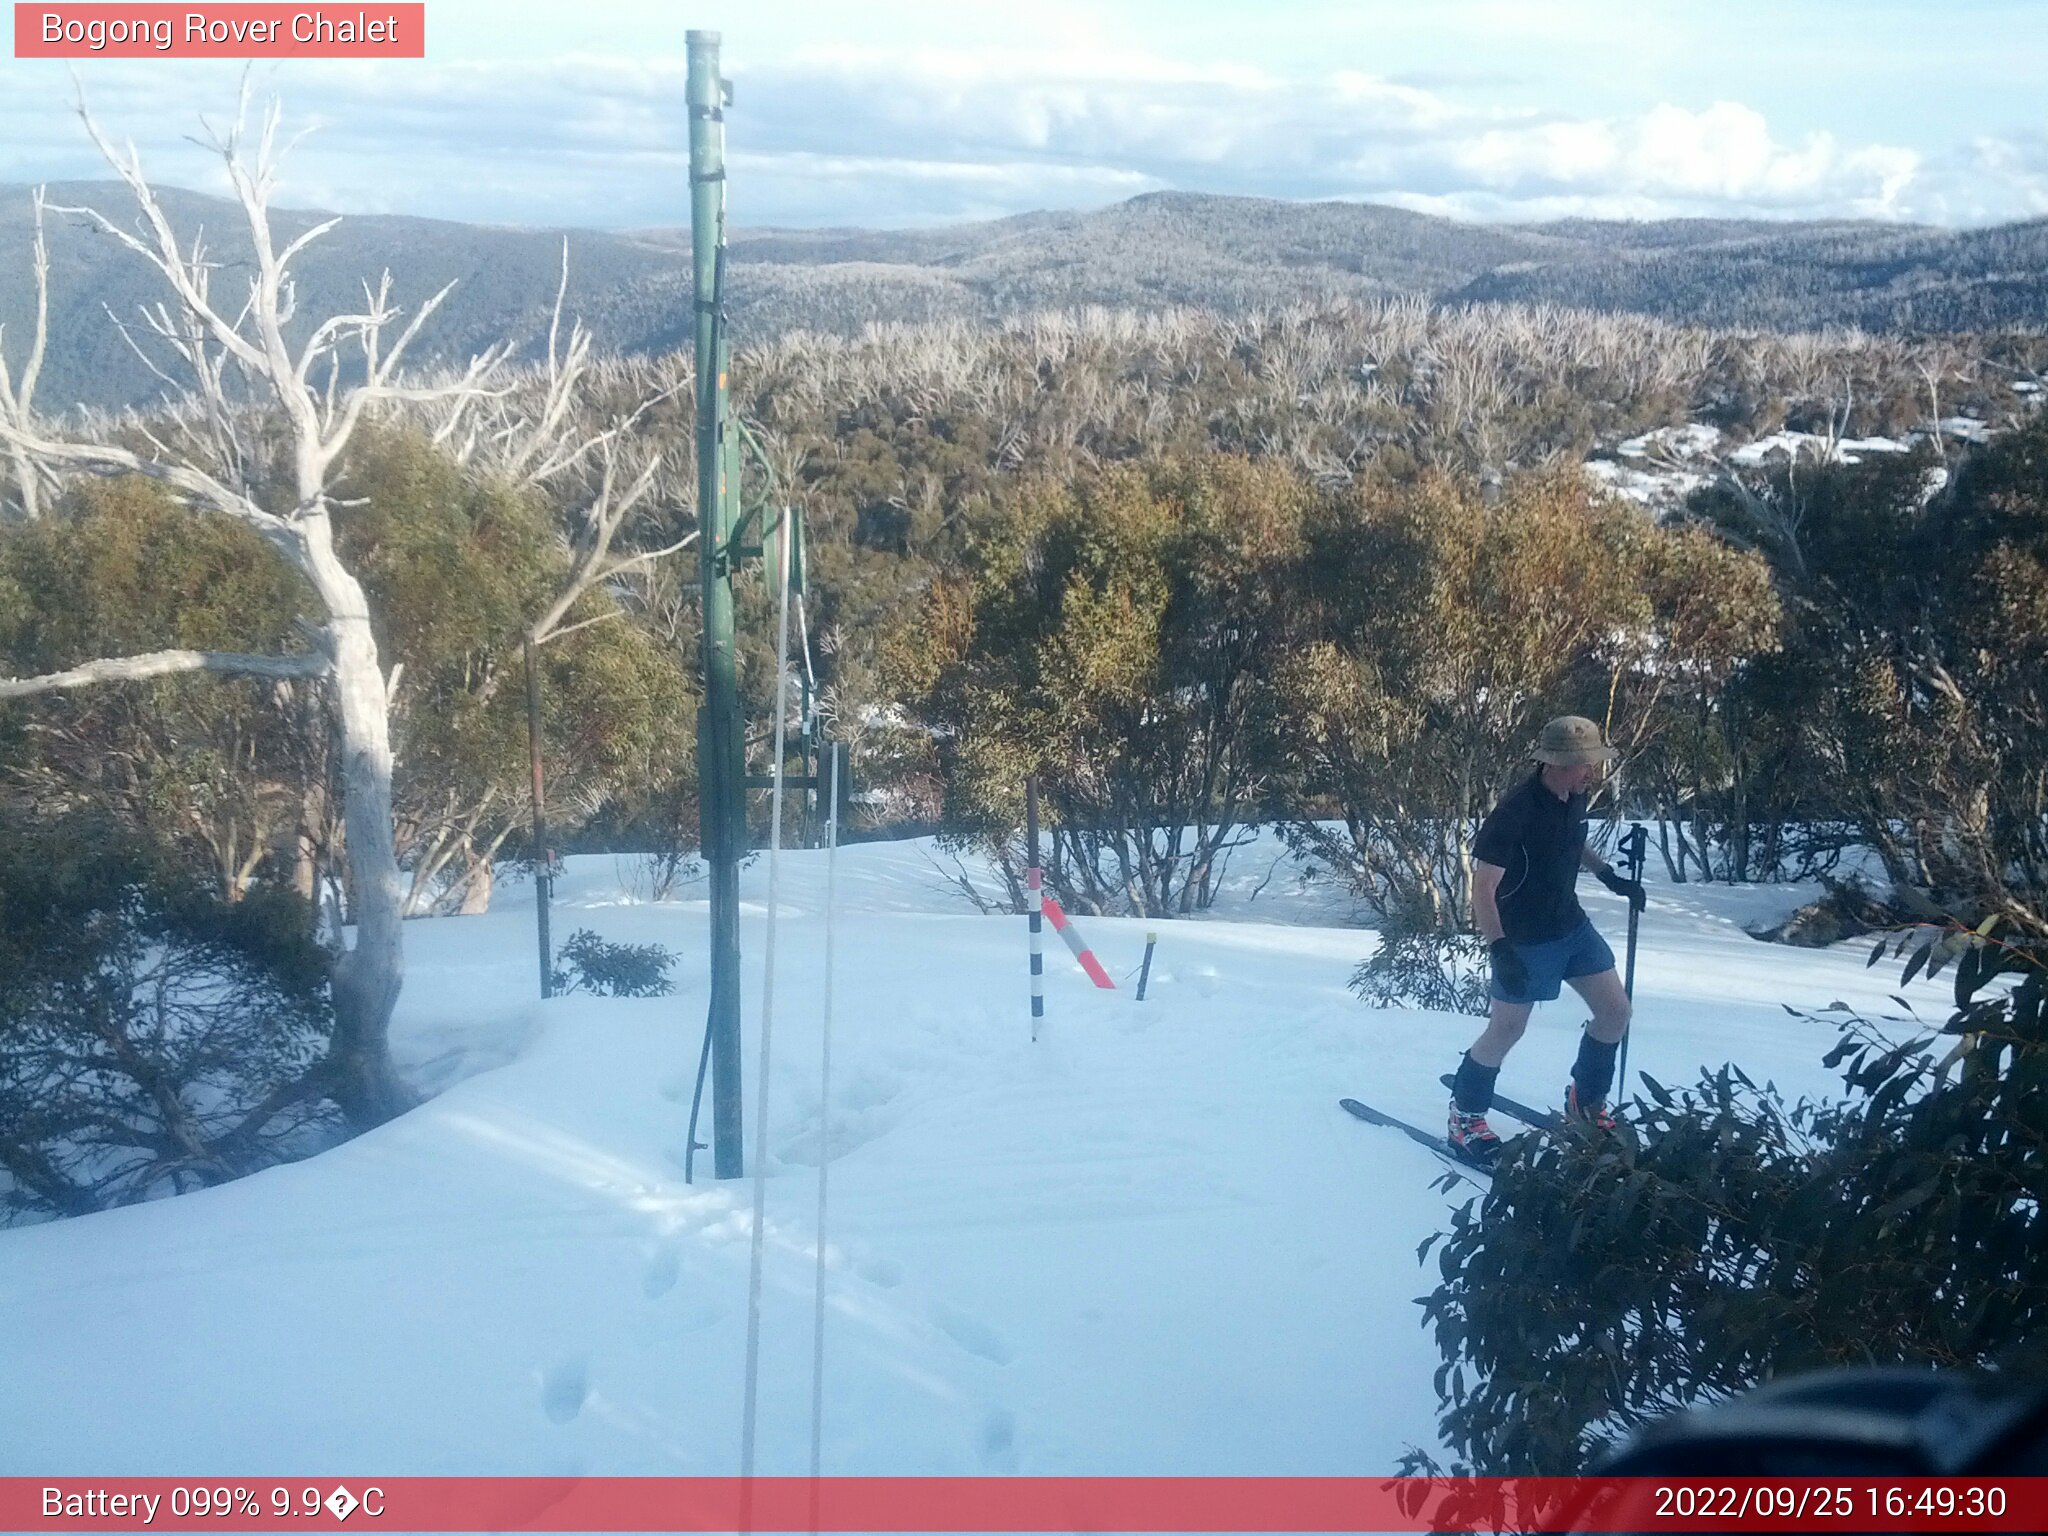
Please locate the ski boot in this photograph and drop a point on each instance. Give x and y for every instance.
(1597, 1116)
(1472, 1138)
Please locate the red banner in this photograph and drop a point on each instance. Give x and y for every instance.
(923, 1504)
(358, 31)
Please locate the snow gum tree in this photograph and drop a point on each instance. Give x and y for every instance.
(1110, 637)
(154, 1038)
(1435, 630)
(457, 566)
(1913, 691)
(1683, 698)
(212, 769)
(269, 404)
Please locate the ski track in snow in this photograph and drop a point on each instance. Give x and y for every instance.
(1147, 1243)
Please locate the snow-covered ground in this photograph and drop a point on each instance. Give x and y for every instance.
(1147, 1242)
(1662, 467)
(1793, 445)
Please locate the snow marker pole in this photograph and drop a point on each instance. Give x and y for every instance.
(1034, 904)
(543, 866)
(1634, 843)
(1064, 927)
(1145, 970)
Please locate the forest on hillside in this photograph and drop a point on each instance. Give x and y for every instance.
(1150, 254)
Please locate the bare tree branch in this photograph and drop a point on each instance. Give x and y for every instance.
(102, 458)
(128, 669)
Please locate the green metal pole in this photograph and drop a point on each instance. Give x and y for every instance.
(720, 763)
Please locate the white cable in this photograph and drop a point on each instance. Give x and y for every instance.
(767, 1023)
(803, 634)
(824, 1134)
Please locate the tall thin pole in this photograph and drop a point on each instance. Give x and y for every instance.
(720, 748)
(750, 1410)
(1034, 895)
(1633, 846)
(543, 867)
(832, 749)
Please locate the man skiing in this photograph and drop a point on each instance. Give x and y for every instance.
(1526, 862)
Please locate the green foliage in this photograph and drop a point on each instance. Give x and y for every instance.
(1720, 1238)
(1702, 711)
(120, 567)
(589, 963)
(457, 568)
(1110, 638)
(1442, 972)
(210, 768)
(1435, 628)
(153, 1038)
(1911, 698)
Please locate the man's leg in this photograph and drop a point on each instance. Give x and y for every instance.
(1472, 1089)
(1504, 1026)
(1593, 1072)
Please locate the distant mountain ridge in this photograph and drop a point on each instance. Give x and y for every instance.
(1160, 249)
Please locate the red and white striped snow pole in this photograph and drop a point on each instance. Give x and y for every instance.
(1034, 889)
(1066, 930)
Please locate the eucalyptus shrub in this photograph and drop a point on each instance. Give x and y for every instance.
(1719, 1237)
(592, 963)
(1444, 972)
(154, 1037)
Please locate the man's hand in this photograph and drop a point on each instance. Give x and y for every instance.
(1623, 886)
(1510, 973)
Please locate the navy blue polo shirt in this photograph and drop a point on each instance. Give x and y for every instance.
(1537, 838)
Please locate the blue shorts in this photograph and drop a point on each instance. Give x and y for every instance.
(1582, 952)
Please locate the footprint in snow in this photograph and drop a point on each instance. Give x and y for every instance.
(662, 1271)
(696, 1315)
(563, 1389)
(883, 1272)
(996, 1443)
(972, 1334)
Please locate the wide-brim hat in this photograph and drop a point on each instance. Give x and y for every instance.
(1570, 741)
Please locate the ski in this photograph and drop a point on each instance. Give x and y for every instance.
(1541, 1119)
(1436, 1144)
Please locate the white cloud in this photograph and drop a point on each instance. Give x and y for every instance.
(1725, 154)
(1566, 152)
(1984, 181)
(932, 133)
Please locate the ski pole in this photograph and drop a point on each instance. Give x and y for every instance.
(1633, 844)
(1145, 974)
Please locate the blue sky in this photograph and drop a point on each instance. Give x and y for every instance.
(907, 112)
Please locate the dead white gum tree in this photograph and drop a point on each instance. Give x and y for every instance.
(540, 433)
(17, 397)
(238, 368)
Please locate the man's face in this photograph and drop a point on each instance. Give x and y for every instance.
(1579, 778)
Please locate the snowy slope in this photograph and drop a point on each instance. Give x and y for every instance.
(1148, 1242)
